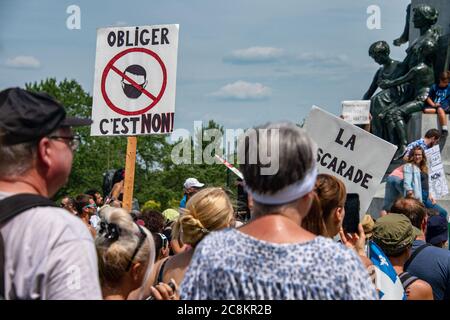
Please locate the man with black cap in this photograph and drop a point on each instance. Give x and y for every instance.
(47, 252)
(437, 231)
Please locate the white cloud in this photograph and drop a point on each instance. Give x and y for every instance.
(241, 90)
(24, 62)
(255, 55)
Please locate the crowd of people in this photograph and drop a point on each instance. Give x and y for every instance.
(90, 247)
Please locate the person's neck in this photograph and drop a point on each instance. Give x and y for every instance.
(421, 237)
(398, 263)
(424, 30)
(28, 184)
(388, 63)
(279, 227)
(331, 229)
(119, 293)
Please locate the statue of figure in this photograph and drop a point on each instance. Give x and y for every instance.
(380, 52)
(403, 93)
(404, 38)
(420, 79)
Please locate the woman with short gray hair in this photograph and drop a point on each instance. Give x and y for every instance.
(272, 256)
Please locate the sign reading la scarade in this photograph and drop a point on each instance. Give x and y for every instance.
(135, 80)
(355, 156)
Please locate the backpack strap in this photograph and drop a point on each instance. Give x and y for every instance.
(407, 279)
(9, 208)
(415, 253)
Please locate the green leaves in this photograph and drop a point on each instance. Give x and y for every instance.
(157, 177)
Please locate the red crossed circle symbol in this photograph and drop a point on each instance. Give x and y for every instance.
(110, 66)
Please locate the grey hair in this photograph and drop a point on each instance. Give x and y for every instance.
(296, 157)
(17, 159)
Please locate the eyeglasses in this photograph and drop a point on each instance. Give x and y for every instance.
(91, 205)
(142, 237)
(74, 141)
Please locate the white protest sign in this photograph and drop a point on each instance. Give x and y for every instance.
(436, 176)
(135, 80)
(356, 111)
(358, 158)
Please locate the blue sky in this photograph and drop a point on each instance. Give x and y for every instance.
(240, 63)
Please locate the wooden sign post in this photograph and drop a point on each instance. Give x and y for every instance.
(130, 164)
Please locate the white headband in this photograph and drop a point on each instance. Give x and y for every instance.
(289, 193)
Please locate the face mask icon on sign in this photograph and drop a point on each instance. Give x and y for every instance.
(138, 74)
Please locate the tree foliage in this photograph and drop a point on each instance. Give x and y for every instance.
(157, 178)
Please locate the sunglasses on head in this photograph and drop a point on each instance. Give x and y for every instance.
(142, 237)
(165, 241)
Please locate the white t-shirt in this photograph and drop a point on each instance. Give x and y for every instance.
(49, 255)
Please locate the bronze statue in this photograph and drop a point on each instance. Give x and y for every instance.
(380, 51)
(419, 80)
(405, 91)
(404, 38)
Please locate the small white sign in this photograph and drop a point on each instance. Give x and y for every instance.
(135, 80)
(356, 111)
(436, 175)
(359, 159)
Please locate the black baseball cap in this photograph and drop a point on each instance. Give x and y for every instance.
(437, 230)
(28, 116)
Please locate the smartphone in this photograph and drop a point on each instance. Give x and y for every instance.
(351, 218)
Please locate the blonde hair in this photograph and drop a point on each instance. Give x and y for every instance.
(208, 210)
(115, 252)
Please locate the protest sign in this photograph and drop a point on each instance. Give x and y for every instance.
(353, 155)
(135, 80)
(436, 175)
(356, 111)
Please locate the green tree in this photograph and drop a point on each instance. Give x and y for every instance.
(156, 178)
(96, 155)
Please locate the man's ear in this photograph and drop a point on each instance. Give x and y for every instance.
(44, 152)
(423, 225)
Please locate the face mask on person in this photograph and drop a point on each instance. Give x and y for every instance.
(129, 90)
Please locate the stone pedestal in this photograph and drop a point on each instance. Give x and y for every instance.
(417, 126)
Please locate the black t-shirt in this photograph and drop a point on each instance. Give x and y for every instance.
(424, 182)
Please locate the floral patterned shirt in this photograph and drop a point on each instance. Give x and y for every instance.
(229, 264)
